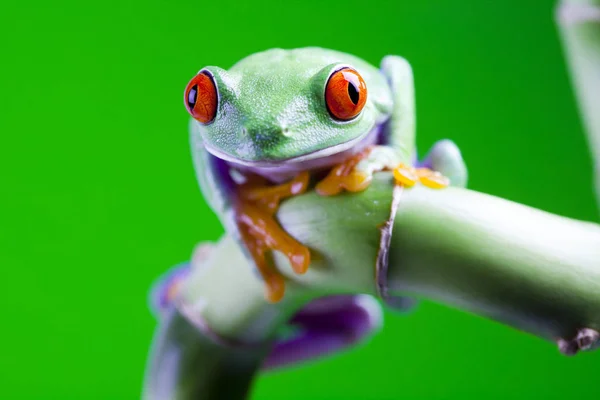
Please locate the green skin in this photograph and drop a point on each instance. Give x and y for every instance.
(272, 119)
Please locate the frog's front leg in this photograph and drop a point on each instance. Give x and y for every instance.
(255, 207)
(247, 211)
(356, 173)
(443, 166)
(347, 176)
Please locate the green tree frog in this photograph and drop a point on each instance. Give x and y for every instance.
(279, 121)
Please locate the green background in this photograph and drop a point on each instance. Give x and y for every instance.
(98, 195)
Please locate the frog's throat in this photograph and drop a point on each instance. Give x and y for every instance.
(309, 160)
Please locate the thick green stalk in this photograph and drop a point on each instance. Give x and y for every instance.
(579, 24)
(188, 365)
(532, 270)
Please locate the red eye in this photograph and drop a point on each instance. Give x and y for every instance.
(200, 98)
(345, 94)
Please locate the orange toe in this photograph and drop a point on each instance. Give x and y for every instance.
(405, 175)
(432, 179)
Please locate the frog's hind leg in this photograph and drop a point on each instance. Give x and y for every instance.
(326, 326)
(255, 209)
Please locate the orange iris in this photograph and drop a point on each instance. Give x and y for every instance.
(345, 94)
(200, 98)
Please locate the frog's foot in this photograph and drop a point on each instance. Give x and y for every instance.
(255, 216)
(356, 173)
(409, 176)
(267, 198)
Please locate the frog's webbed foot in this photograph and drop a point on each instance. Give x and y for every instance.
(325, 326)
(410, 176)
(255, 210)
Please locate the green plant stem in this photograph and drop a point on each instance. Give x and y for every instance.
(530, 269)
(579, 25)
(187, 365)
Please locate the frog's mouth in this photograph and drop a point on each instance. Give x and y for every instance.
(320, 159)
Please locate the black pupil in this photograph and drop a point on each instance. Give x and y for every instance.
(352, 92)
(192, 97)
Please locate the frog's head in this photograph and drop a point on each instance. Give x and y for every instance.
(287, 106)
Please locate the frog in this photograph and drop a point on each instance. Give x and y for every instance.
(281, 122)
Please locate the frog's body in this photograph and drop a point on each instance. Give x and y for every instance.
(281, 115)
(269, 116)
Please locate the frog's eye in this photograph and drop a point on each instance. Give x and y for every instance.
(200, 98)
(345, 94)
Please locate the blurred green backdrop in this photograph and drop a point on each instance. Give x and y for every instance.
(98, 195)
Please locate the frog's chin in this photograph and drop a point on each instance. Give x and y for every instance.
(281, 170)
